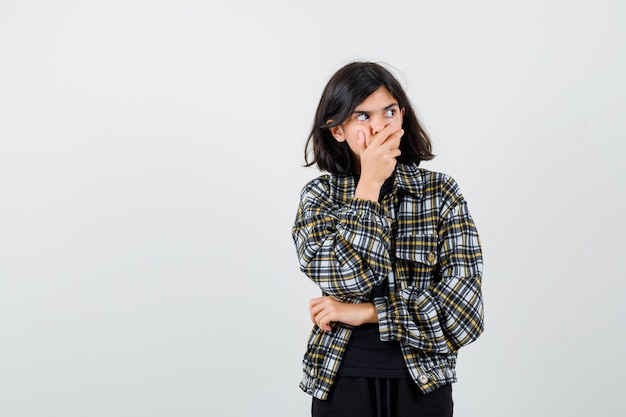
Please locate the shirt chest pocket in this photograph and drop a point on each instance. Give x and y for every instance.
(416, 260)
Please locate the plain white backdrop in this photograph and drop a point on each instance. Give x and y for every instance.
(150, 167)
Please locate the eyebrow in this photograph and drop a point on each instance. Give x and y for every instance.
(357, 111)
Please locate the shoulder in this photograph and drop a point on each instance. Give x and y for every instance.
(441, 182)
(337, 188)
(429, 183)
(443, 191)
(319, 185)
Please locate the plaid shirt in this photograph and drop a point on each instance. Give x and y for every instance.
(422, 238)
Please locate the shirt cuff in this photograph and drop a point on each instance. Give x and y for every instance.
(385, 322)
(369, 214)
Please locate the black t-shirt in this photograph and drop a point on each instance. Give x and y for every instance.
(366, 355)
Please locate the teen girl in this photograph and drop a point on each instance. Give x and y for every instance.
(394, 250)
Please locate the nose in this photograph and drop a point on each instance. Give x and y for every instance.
(377, 124)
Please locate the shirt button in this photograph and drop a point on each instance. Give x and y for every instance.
(430, 257)
(423, 379)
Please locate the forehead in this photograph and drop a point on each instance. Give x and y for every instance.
(378, 100)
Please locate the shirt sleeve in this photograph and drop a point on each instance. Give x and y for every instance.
(449, 313)
(342, 248)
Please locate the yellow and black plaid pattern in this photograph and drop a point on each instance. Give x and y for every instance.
(423, 239)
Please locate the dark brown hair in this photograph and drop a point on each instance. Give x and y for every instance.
(346, 89)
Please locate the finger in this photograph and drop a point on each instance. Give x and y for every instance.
(315, 307)
(320, 322)
(362, 142)
(314, 310)
(381, 136)
(317, 312)
(322, 312)
(325, 313)
(392, 144)
(325, 327)
(393, 139)
(315, 301)
(323, 322)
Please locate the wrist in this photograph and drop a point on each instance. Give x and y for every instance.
(370, 315)
(368, 190)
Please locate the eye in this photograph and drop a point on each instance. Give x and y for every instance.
(362, 117)
(390, 112)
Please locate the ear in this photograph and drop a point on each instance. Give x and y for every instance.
(402, 111)
(338, 134)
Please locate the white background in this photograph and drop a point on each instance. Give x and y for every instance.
(150, 169)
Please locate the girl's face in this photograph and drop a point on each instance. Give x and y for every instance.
(378, 110)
